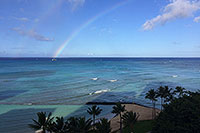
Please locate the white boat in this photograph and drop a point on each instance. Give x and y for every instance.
(53, 59)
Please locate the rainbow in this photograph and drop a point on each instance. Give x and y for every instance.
(84, 25)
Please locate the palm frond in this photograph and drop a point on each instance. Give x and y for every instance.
(35, 127)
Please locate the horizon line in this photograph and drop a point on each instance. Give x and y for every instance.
(106, 57)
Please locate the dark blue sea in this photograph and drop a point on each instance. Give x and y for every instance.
(63, 86)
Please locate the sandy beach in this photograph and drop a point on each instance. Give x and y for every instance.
(144, 112)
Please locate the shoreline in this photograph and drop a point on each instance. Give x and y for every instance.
(114, 103)
(145, 112)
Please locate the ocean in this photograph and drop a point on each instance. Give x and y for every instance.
(30, 85)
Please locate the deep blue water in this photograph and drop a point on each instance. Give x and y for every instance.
(29, 85)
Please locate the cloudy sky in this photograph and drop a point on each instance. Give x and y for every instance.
(73, 28)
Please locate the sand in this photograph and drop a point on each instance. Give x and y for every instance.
(144, 112)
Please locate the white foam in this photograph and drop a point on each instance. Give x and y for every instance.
(113, 80)
(99, 91)
(94, 78)
(174, 76)
(30, 104)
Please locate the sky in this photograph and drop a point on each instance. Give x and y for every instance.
(99, 28)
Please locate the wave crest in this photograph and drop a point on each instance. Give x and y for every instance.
(94, 78)
(113, 80)
(174, 76)
(99, 92)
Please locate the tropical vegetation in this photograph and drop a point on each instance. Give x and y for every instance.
(103, 126)
(59, 125)
(129, 120)
(180, 112)
(118, 109)
(94, 111)
(43, 123)
(181, 115)
(151, 95)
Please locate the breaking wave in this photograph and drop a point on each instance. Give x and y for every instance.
(99, 92)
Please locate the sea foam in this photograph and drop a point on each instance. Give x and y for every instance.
(94, 78)
(114, 80)
(174, 76)
(99, 91)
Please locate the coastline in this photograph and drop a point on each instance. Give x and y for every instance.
(145, 112)
(114, 103)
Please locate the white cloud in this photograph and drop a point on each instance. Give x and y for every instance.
(32, 34)
(197, 19)
(115, 20)
(36, 20)
(76, 3)
(174, 10)
(90, 54)
(106, 30)
(22, 19)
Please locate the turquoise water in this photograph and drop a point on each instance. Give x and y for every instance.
(63, 87)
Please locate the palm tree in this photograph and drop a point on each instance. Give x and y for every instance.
(180, 91)
(103, 126)
(129, 120)
(165, 94)
(72, 124)
(151, 95)
(44, 122)
(59, 126)
(161, 94)
(168, 96)
(78, 125)
(118, 109)
(94, 111)
(84, 125)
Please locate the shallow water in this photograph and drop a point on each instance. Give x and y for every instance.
(63, 87)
